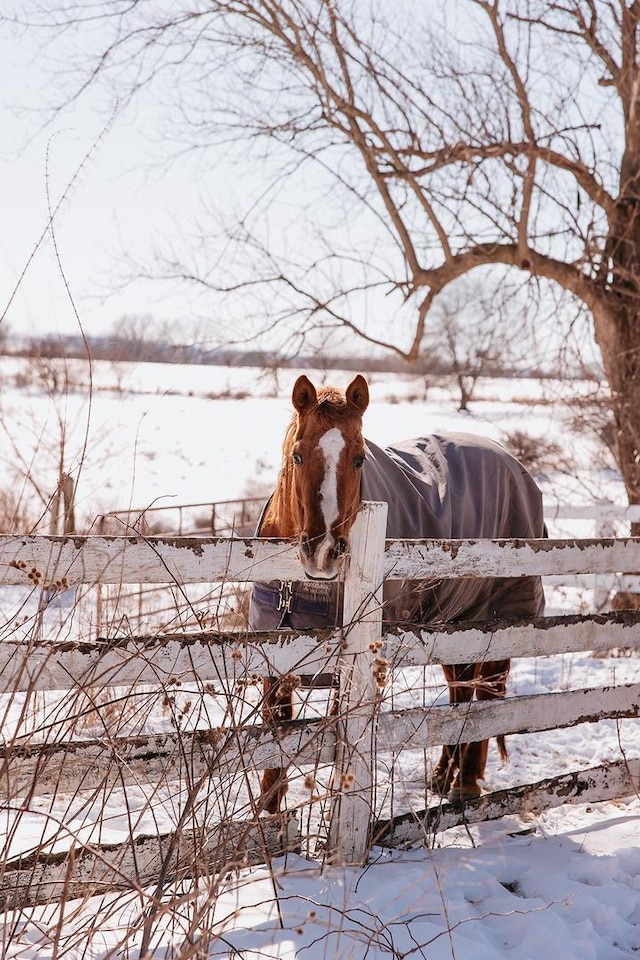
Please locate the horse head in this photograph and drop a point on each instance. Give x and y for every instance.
(324, 453)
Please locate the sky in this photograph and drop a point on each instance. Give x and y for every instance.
(120, 200)
(118, 203)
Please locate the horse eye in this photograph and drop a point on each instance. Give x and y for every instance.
(296, 457)
(358, 461)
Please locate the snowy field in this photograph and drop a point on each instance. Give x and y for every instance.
(163, 434)
(560, 885)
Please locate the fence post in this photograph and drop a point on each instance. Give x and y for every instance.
(68, 498)
(354, 766)
(604, 530)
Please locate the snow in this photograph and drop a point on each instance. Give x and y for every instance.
(562, 884)
(520, 896)
(567, 886)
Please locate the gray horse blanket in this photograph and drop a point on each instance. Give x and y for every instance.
(449, 487)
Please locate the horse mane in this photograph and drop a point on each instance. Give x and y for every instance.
(332, 396)
(331, 404)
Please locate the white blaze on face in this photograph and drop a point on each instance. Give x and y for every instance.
(331, 444)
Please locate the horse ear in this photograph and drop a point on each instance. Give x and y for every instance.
(358, 393)
(304, 394)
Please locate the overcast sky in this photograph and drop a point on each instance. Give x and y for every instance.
(127, 200)
(119, 204)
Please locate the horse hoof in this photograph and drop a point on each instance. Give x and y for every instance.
(439, 785)
(460, 794)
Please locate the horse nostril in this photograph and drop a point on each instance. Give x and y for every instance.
(305, 545)
(340, 548)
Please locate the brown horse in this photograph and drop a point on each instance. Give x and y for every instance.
(436, 487)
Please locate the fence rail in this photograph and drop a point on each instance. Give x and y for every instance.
(59, 562)
(163, 658)
(239, 517)
(60, 763)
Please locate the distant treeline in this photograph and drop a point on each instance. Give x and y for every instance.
(157, 351)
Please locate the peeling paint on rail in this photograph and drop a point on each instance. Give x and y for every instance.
(214, 559)
(117, 560)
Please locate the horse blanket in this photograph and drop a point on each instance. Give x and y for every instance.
(450, 486)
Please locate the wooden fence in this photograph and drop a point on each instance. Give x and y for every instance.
(359, 654)
(601, 518)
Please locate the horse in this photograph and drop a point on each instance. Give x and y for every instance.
(442, 486)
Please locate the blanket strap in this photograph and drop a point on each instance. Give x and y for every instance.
(285, 600)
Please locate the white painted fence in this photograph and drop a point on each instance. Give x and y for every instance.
(607, 520)
(144, 604)
(355, 653)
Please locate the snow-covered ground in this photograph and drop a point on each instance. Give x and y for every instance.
(162, 434)
(563, 884)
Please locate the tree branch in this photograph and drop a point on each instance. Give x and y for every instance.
(469, 153)
(566, 274)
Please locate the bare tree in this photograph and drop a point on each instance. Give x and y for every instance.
(6, 337)
(139, 328)
(443, 137)
(136, 336)
(476, 329)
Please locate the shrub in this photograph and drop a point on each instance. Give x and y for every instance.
(534, 453)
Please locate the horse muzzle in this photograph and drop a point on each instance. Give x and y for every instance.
(322, 557)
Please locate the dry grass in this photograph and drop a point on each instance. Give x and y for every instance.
(88, 772)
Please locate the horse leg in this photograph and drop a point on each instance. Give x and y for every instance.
(491, 684)
(460, 679)
(277, 707)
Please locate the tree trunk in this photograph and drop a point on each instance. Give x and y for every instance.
(617, 318)
(617, 330)
(465, 395)
(618, 336)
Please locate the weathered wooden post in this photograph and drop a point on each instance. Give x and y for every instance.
(68, 487)
(604, 530)
(354, 766)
